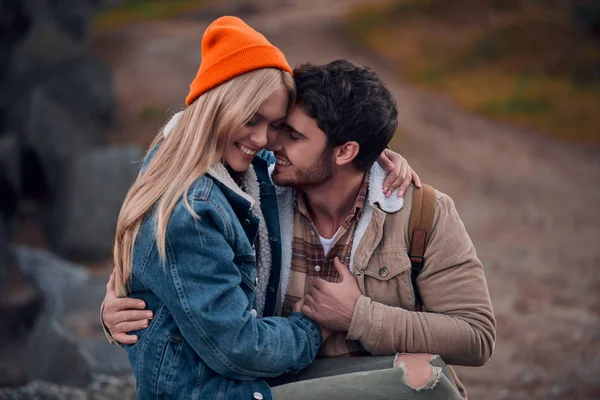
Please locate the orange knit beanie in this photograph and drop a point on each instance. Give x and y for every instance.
(231, 48)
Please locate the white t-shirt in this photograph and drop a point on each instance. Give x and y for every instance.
(326, 243)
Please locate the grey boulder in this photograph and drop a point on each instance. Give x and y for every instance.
(67, 345)
(86, 210)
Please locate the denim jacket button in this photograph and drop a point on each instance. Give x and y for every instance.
(246, 222)
(257, 396)
(254, 314)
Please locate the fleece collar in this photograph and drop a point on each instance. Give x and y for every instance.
(376, 197)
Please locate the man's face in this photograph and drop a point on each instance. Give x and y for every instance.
(303, 159)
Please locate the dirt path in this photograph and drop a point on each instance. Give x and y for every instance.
(530, 203)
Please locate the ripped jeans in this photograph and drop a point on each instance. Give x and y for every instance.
(406, 376)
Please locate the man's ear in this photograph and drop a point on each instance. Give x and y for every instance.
(345, 153)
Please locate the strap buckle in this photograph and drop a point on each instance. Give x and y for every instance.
(417, 262)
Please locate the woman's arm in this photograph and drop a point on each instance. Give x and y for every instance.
(200, 285)
(400, 174)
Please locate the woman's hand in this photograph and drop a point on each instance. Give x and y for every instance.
(400, 174)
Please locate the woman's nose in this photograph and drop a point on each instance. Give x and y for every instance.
(259, 137)
(273, 142)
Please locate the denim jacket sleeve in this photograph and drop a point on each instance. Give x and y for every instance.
(266, 155)
(202, 291)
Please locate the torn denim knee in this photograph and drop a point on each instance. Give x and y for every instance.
(419, 373)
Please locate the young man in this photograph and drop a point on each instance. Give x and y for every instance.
(345, 249)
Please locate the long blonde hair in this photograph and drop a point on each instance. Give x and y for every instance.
(198, 141)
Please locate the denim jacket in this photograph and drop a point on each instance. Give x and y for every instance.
(204, 341)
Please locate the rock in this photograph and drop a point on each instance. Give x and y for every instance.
(52, 131)
(67, 345)
(102, 388)
(85, 214)
(4, 257)
(20, 304)
(14, 25)
(86, 88)
(75, 17)
(60, 111)
(72, 17)
(10, 171)
(44, 46)
(16, 292)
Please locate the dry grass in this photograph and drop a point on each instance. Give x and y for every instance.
(521, 61)
(133, 11)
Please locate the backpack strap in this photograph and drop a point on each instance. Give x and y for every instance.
(419, 230)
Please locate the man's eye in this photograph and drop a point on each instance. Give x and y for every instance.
(293, 136)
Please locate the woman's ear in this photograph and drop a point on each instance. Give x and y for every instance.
(345, 153)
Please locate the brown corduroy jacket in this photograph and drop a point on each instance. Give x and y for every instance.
(458, 324)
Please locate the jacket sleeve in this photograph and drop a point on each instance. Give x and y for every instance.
(200, 285)
(267, 155)
(109, 337)
(459, 324)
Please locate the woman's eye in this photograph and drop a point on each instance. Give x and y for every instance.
(252, 122)
(276, 127)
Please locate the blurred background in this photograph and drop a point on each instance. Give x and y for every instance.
(499, 106)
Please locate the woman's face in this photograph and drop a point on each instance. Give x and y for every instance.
(253, 137)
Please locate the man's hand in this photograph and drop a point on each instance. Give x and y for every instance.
(332, 304)
(400, 174)
(122, 315)
(325, 333)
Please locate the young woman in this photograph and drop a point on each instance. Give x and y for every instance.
(198, 233)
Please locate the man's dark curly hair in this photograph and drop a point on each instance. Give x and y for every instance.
(350, 103)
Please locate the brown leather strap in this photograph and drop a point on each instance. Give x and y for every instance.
(421, 219)
(419, 231)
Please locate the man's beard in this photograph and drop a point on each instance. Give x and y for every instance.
(316, 174)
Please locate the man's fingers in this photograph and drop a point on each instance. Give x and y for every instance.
(309, 306)
(110, 285)
(130, 326)
(123, 304)
(309, 300)
(116, 310)
(124, 338)
(341, 268)
(298, 305)
(308, 311)
(132, 316)
(319, 283)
